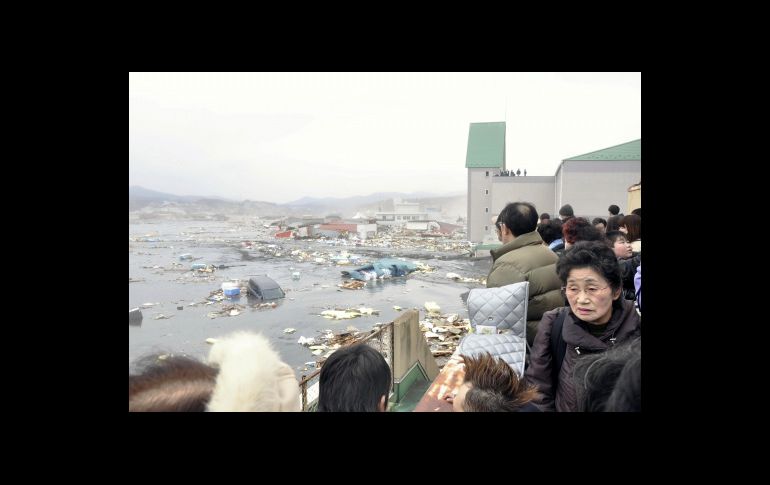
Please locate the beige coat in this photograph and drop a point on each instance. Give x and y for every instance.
(527, 259)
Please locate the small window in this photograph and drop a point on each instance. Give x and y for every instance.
(486, 191)
(487, 173)
(486, 209)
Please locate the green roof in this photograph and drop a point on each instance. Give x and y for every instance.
(486, 145)
(625, 151)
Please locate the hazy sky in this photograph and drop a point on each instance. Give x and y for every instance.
(281, 136)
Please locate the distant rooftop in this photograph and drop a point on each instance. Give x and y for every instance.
(625, 151)
(486, 145)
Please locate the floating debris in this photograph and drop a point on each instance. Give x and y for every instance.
(339, 314)
(265, 305)
(443, 333)
(423, 268)
(289, 330)
(432, 307)
(353, 285)
(457, 277)
(226, 311)
(211, 341)
(134, 315)
(307, 341)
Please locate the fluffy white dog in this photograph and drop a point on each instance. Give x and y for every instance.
(252, 376)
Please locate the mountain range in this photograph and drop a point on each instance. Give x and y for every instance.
(145, 200)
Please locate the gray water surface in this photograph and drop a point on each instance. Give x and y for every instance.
(173, 285)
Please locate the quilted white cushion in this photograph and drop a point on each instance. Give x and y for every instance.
(504, 307)
(511, 348)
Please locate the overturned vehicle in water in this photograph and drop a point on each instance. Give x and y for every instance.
(382, 268)
(265, 288)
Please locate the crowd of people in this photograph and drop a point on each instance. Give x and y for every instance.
(504, 172)
(583, 337)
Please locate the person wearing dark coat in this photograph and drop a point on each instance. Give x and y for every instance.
(566, 212)
(627, 260)
(611, 381)
(614, 211)
(596, 319)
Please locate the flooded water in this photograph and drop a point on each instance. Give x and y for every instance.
(158, 277)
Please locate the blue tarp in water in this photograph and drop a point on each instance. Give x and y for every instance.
(382, 268)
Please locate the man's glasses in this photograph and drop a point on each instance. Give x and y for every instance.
(591, 291)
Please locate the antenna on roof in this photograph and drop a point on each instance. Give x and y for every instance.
(505, 116)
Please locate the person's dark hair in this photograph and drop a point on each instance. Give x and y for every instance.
(353, 379)
(566, 210)
(520, 217)
(579, 229)
(495, 386)
(633, 224)
(545, 215)
(613, 236)
(176, 384)
(599, 220)
(638, 212)
(613, 223)
(549, 231)
(596, 255)
(613, 210)
(611, 380)
(627, 395)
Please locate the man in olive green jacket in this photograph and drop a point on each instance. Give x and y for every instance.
(523, 257)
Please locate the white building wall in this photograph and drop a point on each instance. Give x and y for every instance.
(366, 230)
(417, 226)
(479, 202)
(400, 218)
(558, 185)
(592, 186)
(538, 190)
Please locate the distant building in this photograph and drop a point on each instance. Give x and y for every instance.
(589, 182)
(402, 213)
(634, 197)
(360, 230)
